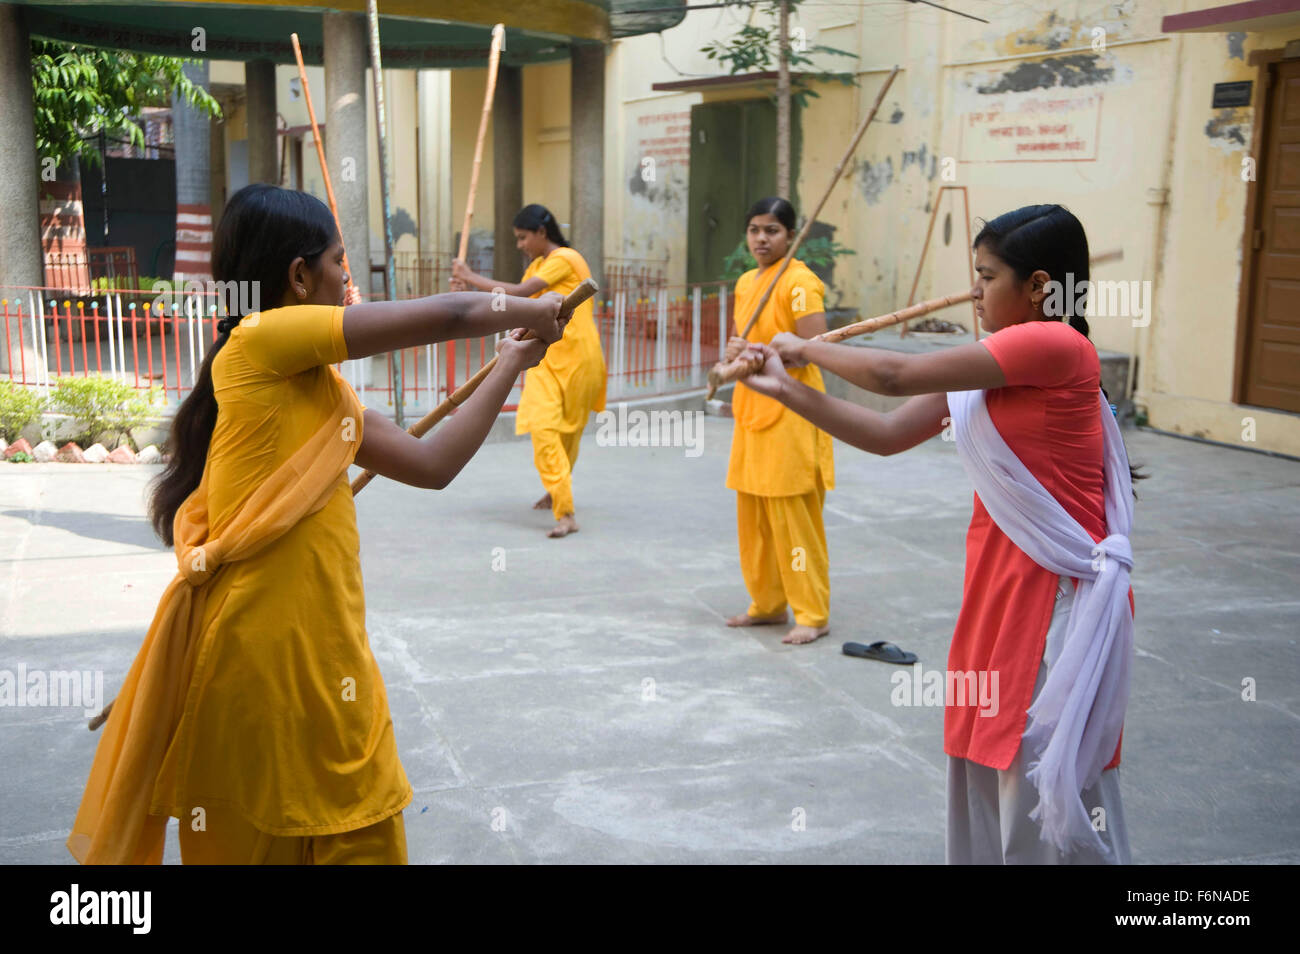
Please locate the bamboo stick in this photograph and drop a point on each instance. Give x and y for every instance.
(587, 289)
(746, 364)
(894, 317)
(494, 59)
(809, 220)
(320, 154)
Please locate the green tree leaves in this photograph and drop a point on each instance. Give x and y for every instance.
(80, 91)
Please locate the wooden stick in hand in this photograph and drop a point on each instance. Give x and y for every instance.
(585, 290)
(747, 364)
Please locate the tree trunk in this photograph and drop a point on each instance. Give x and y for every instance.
(783, 104)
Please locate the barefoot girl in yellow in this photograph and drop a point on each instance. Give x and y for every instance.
(569, 384)
(781, 466)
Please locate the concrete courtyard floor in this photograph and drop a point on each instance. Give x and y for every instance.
(585, 703)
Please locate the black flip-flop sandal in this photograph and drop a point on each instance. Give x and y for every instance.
(882, 651)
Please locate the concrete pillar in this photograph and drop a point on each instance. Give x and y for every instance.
(346, 55)
(193, 184)
(507, 171)
(218, 180)
(20, 238)
(263, 156)
(587, 155)
(433, 164)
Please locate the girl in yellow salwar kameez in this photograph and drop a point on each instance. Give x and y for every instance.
(781, 466)
(255, 712)
(569, 384)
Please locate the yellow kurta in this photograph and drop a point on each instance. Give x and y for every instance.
(569, 383)
(781, 465)
(774, 451)
(286, 721)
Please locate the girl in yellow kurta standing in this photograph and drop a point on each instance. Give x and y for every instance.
(255, 712)
(781, 466)
(569, 384)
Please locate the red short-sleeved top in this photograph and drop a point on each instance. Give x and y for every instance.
(1048, 415)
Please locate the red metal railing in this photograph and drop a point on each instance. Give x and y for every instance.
(653, 344)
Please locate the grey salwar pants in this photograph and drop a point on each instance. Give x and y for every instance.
(988, 809)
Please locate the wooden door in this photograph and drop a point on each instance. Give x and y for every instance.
(1271, 373)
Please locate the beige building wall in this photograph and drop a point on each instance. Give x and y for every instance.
(546, 139)
(1139, 156)
(1190, 349)
(1155, 172)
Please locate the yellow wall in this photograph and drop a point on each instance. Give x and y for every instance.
(1148, 132)
(1189, 350)
(1161, 182)
(546, 138)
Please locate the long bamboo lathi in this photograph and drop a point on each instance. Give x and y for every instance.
(320, 152)
(494, 60)
(586, 290)
(808, 222)
(745, 365)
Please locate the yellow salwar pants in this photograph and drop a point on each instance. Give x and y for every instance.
(227, 839)
(554, 454)
(783, 555)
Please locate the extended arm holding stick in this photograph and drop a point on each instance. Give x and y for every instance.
(747, 364)
(421, 427)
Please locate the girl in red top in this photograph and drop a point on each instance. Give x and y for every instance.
(1042, 377)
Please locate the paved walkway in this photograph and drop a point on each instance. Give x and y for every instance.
(586, 704)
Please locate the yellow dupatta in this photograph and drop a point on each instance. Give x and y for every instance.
(114, 824)
(751, 410)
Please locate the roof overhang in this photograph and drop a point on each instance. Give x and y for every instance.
(737, 80)
(427, 34)
(1251, 16)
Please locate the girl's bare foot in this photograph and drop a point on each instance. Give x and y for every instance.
(544, 503)
(565, 526)
(744, 619)
(805, 634)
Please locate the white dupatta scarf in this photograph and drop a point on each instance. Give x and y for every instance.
(1075, 723)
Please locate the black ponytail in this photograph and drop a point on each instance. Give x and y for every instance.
(534, 217)
(262, 230)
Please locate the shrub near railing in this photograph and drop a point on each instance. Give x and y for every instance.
(19, 407)
(102, 410)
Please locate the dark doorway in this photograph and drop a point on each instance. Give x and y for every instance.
(733, 165)
(138, 209)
